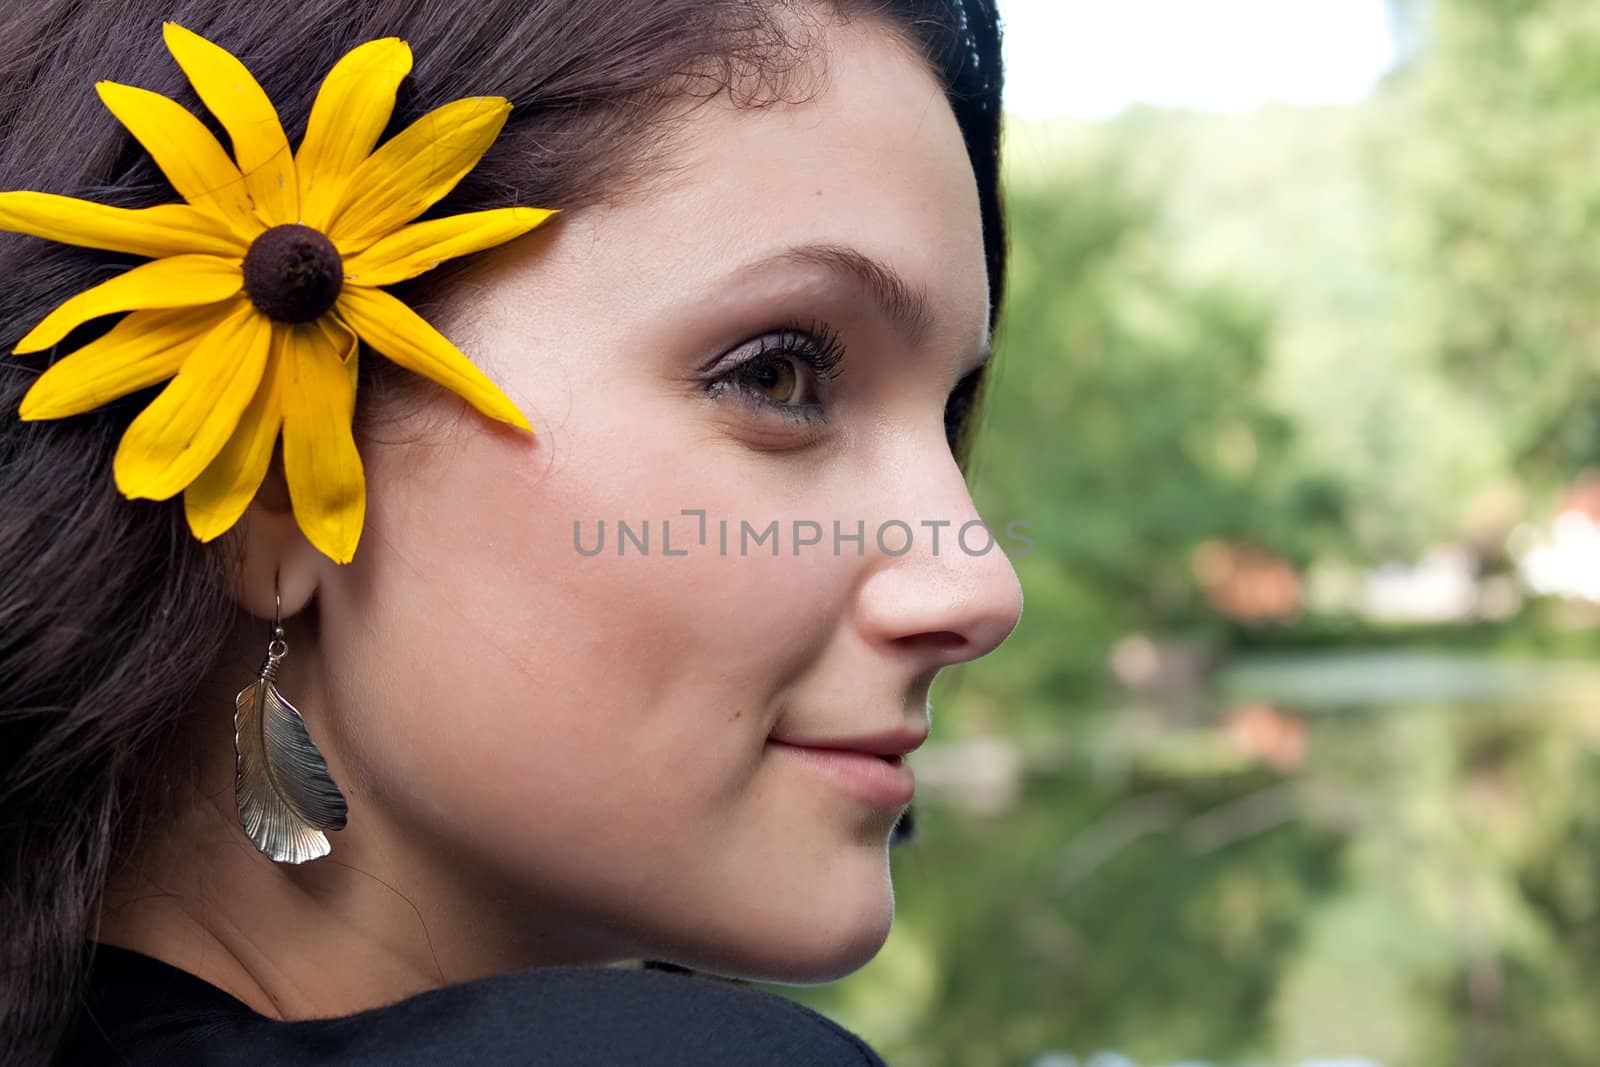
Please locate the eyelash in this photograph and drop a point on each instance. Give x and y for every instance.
(958, 407)
(816, 347)
(819, 347)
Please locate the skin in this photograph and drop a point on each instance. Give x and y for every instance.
(551, 758)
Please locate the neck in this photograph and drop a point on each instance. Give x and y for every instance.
(369, 925)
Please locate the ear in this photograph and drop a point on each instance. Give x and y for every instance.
(276, 553)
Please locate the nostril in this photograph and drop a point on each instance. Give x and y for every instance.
(941, 647)
(940, 640)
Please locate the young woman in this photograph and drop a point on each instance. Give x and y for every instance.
(636, 685)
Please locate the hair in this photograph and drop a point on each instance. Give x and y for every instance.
(111, 613)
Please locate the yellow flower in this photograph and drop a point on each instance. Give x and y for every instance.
(261, 282)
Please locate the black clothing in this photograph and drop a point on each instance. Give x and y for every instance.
(143, 1012)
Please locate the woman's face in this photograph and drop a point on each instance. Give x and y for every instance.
(567, 755)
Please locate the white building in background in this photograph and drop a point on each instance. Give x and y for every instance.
(1441, 587)
(1562, 559)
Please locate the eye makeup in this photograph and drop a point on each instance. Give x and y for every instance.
(782, 372)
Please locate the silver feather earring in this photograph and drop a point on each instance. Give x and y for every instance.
(285, 794)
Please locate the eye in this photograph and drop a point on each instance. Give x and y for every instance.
(958, 408)
(773, 379)
(783, 372)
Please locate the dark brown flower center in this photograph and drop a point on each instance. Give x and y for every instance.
(293, 273)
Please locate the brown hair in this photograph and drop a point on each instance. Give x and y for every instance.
(111, 613)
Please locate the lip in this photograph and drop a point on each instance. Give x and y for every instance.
(885, 782)
(895, 742)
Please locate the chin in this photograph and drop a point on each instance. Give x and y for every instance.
(829, 963)
(824, 945)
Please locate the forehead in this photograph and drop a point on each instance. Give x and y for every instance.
(870, 158)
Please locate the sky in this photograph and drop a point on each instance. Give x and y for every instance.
(1095, 58)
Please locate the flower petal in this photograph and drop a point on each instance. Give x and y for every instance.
(177, 281)
(327, 485)
(146, 347)
(399, 333)
(186, 152)
(165, 230)
(419, 248)
(259, 146)
(352, 108)
(415, 168)
(216, 500)
(180, 433)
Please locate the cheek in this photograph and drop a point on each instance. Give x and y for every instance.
(497, 672)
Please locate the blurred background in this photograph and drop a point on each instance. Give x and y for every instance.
(1293, 757)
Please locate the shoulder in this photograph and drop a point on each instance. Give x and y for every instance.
(568, 1016)
(578, 1016)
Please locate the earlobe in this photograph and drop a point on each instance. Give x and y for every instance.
(278, 565)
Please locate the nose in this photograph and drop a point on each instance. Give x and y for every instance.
(939, 582)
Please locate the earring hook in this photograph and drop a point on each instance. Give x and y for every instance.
(277, 648)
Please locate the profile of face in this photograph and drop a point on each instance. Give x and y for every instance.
(570, 756)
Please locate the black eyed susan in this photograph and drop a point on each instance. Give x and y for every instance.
(261, 282)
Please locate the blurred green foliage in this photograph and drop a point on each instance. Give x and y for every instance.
(1331, 334)
(1496, 145)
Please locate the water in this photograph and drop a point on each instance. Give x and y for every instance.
(1386, 858)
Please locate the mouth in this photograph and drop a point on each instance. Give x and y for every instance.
(882, 780)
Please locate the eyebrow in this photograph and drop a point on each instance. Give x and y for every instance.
(904, 304)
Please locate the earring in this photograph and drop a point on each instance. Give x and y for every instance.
(281, 783)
